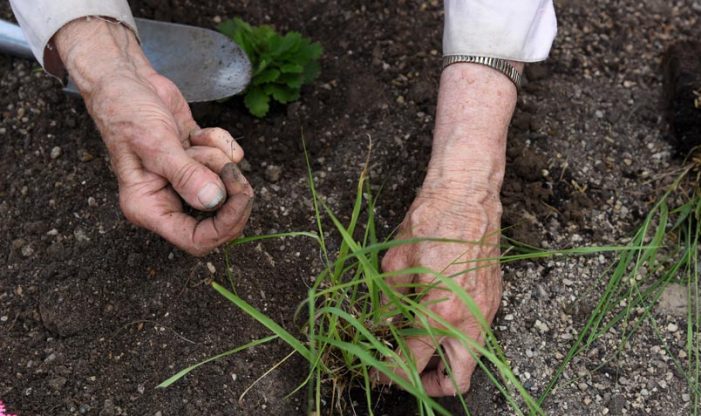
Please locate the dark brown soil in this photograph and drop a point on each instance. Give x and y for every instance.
(97, 312)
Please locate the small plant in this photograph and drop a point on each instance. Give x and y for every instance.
(281, 63)
(664, 250)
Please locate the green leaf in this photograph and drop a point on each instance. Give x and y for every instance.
(292, 68)
(265, 321)
(282, 93)
(182, 373)
(264, 34)
(285, 45)
(291, 80)
(267, 75)
(310, 51)
(241, 33)
(233, 26)
(257, 102)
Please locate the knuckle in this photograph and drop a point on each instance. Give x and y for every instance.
(498, 209)
(417, 216)
(221, 134)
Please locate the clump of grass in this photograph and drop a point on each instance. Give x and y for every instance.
(663, 250)
(347, 334)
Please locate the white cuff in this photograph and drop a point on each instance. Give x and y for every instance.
(518, 30)
(41, 19)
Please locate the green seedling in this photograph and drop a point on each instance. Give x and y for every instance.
(281, 64)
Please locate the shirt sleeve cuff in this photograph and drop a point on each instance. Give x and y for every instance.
(518, 30)
(41, 19)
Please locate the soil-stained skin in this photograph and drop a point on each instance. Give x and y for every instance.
(94, 312)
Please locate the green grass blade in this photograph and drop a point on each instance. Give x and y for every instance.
(180, 374)
(265, 321)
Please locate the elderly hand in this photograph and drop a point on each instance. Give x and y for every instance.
(459, 200)
(157, 150)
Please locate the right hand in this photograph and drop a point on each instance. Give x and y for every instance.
(158, 152)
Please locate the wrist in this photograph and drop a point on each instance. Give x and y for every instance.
(94, 49)
(475, 104)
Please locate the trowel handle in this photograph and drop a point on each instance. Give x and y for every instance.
(12, 40)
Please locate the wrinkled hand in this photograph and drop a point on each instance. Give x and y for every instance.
(158, 152)
(434, 216)
(459, 200)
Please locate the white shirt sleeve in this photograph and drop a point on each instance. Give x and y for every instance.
(518, 30)
(41, 19)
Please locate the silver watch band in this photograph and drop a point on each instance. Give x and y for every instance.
(500, 65)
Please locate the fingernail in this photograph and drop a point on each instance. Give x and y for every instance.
(211, 195)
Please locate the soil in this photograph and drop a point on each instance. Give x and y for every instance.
(95, 312)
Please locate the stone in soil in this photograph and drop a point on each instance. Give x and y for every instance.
(55, 152)
(674, 300)
(272, 173)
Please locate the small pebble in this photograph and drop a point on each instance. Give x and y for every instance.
(80, 235)
(273, 173)
(672, 327)
(55, 152)
(27, 250)
(540, 326)
(85, 156)
(211, 268)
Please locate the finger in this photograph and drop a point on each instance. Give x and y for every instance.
(420, 350)
(199, 186)
(199, 238)
(220, 139)
(453, 377)
(231, 217)
(212, 158)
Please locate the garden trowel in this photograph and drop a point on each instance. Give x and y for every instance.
(204, 64)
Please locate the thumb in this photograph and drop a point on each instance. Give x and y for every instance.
(201, 188)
